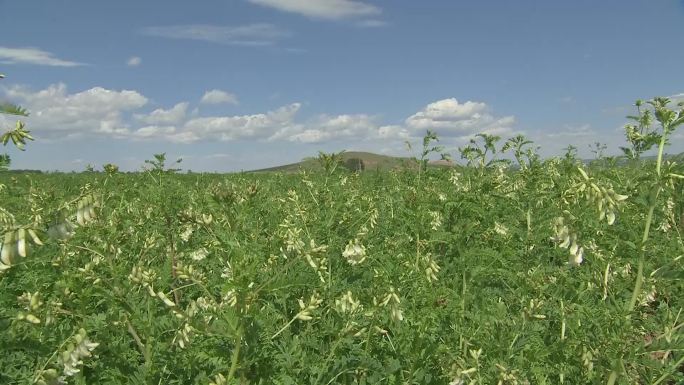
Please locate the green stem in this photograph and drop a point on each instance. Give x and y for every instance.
(236, 356)
(637, 285)
(647, 226)
(666, 375)
(143, 349)
(327, 360)
(661, 148)
(59, 349)
(285, 327)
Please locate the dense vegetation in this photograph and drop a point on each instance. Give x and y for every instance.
(552, 272)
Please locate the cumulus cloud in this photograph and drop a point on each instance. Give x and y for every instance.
(134, 61)
(677, 98)
(219, 97)
(554, 142)
(326, 128)
(55, 112)
(154, 131)
(119, 114)
(258, 34)
(255, 126)
(322, 9)
(174, 115)
(30, 55)
(450, 118)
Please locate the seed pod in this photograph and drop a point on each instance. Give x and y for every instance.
(79, 216)
(34, 303)
(8, 246)
(21, 242)
(34, 237)
(304, 316)
(165, 299)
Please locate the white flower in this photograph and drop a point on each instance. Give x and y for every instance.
(500, 229)
(436, 221)
(347, 304)
(185, 235)
(200, 254)
(355, 252)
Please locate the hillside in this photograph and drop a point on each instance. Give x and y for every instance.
(353, 160)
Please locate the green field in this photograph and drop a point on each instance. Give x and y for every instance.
(443, 276)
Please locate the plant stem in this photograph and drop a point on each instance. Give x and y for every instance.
(144, 350)
(235, 357)
(666, 375)
(647, 226)
(285, 327)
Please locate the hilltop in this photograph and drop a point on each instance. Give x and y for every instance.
(353, 160)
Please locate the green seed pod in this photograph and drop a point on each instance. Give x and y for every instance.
(21, 242)
(79, 216)
(8, 249)
(34, 237)
(34, 303)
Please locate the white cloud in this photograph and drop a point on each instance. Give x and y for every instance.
(677, 98)
(154, 131)
(372, 23)
(393, 132)
(109, 113)
(225, 128)
(322, 9)
(258, 34)
(174, 115)
(30, 55)
(218, 97)
(325, 128)
(134, 61)
(448, 117)
(55, 112)
(582, 136)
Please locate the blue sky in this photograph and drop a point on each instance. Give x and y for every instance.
(244, 84)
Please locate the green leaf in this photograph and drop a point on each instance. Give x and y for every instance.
(11, 109)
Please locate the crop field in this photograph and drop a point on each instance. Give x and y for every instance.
(553, 271)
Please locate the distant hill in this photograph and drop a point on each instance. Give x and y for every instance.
(358, 160)
(353, 160)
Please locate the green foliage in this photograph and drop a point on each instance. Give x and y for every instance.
(525, 155)
(110, 168)
(330, 162)
(469, 275)
(5, 162)
(11, 109)
(477, 153)
(641, 135)
(18, 135)
(159, 164)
